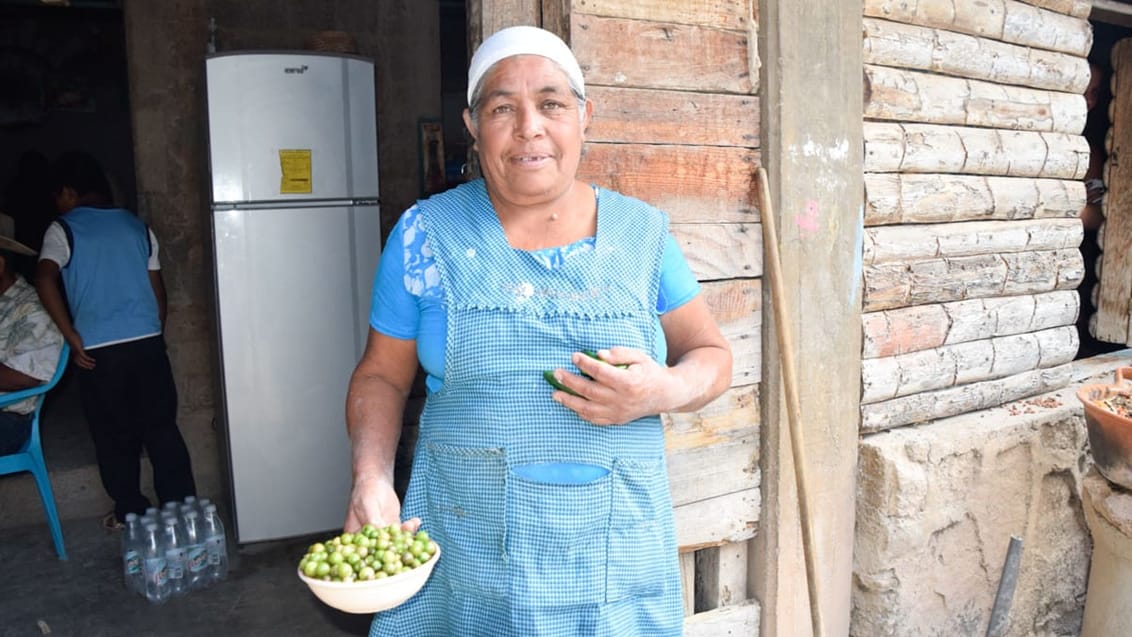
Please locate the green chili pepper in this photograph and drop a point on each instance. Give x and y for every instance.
(549, 376)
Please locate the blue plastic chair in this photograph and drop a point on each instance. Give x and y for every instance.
(30, 458)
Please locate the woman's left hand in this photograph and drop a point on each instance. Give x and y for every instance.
(624, 385)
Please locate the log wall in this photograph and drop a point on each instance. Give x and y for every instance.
(973, 176)
(676, 123)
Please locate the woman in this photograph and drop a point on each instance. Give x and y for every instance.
(551, 507)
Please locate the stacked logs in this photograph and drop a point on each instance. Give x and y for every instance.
(973, 174)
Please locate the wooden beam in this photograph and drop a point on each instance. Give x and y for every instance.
(901, 284)
(733, 517)
(811, 128)
(653, 116)
(1113, 323)
(931, 148)
(656, 55)
(886, 244)
(693, 184)
(720, 14)
(909, 198)
(920, 327)
(488, 16)
(1111, 12)
(1005, 20)
(933, 405)
(973, 57)
(968, 362)
(729, 621)
(913, 96)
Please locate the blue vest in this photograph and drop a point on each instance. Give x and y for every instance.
(525, 554)
(107, 277)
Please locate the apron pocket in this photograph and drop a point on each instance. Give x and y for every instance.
(466, 489)
(557, 541)
(637, 551)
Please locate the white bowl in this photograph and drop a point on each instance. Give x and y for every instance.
(373, 595)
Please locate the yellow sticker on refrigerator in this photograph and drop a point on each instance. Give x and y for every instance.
(295, 167)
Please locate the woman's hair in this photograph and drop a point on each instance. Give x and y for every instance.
(82, 172)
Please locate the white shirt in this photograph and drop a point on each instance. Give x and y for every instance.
(29, 340)
(55, 247)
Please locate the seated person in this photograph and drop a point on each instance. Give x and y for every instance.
(29, 345)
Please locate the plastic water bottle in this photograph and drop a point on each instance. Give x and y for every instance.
(196, 553)
(216, 544)
(153, 565)
(191, 500)
(173, 546)
(132, 571)
(171, 506)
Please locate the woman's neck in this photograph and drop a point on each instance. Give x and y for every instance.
(557, 222)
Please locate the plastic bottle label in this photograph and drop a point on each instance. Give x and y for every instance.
(198, 559)
(133, 562)
(156, 571)
(175, 563)
(215, 550)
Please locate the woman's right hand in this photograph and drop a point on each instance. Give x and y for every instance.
(373, 501)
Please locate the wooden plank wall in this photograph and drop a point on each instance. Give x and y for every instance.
(974, 165)
(674, 84)
(1113, 322)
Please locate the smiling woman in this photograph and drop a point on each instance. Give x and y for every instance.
(551, 500)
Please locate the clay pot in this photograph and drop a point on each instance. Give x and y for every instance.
(1110, 435)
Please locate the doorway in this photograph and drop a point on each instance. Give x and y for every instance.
(63, 86)
(1109, 27)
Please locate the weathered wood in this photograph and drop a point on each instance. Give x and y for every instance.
(962, 363)
(688, 581)
(702, 473)
(485, 18)
(1113, 308)
(931, 148)
(691, 183)
(1075, 8)
(657, 55)
(895, 198)
(648, 116)
(884, 244)
(811, 100)
(732, 416)
(962, 399)
(1004, 20)
(720, 250)
(893, 285)
(736, 306)
(968, 56)
(556, 17)
(721, 576)
(735, 15)
(741, 620)
(728, 518)
(915, 96)
(920, 327)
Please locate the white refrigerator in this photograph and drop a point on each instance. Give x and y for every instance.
(296, 237)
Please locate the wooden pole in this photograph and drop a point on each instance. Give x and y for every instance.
(773, 268)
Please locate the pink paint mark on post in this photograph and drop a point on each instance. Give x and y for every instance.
(808, 220)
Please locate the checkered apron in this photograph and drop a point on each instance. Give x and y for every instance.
(521, 556)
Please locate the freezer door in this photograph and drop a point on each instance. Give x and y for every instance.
(293, 296)
(291, 127)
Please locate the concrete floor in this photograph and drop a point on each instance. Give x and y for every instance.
(84, 596)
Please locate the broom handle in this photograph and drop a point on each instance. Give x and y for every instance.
(786, 350)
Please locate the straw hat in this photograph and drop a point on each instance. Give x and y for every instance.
(11, 245)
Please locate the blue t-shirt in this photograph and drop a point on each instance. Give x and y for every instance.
(408, 302)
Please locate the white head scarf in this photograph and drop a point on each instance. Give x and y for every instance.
(523, 40)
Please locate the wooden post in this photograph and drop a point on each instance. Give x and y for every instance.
(811, 102)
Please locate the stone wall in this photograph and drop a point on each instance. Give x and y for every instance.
(166, 45)
(937, 505)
